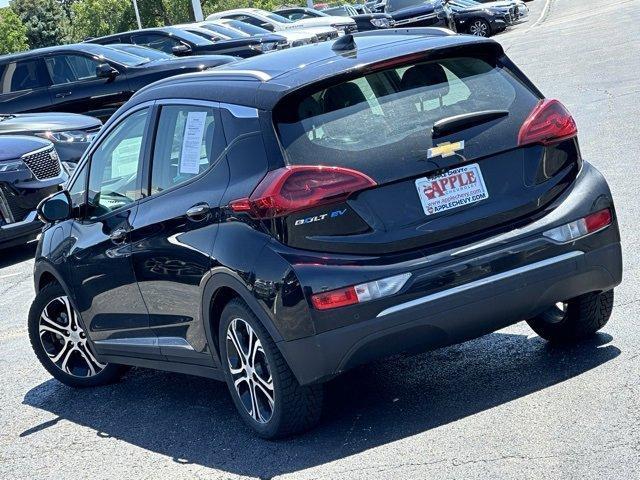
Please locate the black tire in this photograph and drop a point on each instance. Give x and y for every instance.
(581, 317)
(479, 27)
(296, 408)
(83, 352)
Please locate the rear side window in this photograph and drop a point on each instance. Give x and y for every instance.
(22, 75)
(157, 42)
(187, 143)
(388, 115)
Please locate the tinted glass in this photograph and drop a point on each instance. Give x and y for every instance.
(143, 52)
(77, 189)
(247, 19)
(157, 42)
(22, 75)
(393, 5)
(114, 171)
(391, 113)
(187, 146)
(71, 68)
(245, 27)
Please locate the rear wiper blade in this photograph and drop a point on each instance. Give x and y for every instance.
(460, 122)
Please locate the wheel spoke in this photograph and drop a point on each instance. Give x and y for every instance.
(65, 360)
(83, 354)
(50, 326)
(233, 338)
(268, 394)
(56, 358)
(254, 402)
(92, 357)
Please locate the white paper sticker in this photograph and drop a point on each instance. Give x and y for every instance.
(192, 143)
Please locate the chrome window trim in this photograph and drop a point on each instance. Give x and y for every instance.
(479, 283)
(240, 111)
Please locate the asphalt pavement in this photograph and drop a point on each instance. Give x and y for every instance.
(505, 406)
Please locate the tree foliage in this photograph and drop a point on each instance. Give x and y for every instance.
(13, 34)
(44, 20)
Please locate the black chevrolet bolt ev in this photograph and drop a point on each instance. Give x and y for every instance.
(279, 221)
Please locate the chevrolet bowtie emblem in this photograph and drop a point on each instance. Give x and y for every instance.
(446, 149)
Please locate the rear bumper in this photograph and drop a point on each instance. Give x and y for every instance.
(457, 314)
(462, 293)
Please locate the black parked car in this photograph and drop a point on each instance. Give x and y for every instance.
(216, 32)
(479, 19)
(364, 21)
(420, 13)
(30, 171)
(180, 42)
(317, 208)
(82, 78)
(71, 133)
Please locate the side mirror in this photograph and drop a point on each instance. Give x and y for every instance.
(181, 50)
(104, 70)
(268, 26)
(55, 207)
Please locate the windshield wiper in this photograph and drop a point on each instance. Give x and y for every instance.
(460, 122)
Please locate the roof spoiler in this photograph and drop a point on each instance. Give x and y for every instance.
(426, 31)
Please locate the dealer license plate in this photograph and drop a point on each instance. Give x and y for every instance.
(456, 188)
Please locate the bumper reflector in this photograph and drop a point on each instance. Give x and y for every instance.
(359, 293)
(580, 228)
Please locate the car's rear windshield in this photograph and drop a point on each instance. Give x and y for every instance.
(389, 114)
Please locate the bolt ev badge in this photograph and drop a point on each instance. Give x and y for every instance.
(319, 218)
(446, 149)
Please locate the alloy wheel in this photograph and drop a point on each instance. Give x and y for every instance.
(64, 340)
(250, 370)
(479, 29)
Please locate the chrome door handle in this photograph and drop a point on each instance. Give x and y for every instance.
(119, 235)
(62, 94)
(197, 212)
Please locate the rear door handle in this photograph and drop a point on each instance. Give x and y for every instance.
(198, 212)
(62, 94)
(118, 236)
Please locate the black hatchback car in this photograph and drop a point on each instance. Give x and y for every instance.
(83, 78)
(279, 221)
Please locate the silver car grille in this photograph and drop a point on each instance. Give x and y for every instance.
(43, 163)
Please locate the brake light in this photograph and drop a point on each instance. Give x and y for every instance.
(295, 188)
(579, 228)
(359, 293)
(549, 122)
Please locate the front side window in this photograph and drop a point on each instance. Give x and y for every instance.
(188, 145)
(157, 42)
(115, 167)
(71, 68)
(22, 75)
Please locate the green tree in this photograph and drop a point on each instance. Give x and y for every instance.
(95, 18)
(13, 34)
(45, 21)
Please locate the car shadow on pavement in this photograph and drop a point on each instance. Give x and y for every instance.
(193, 420)
(14, 255)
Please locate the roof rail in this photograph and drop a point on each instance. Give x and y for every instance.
(427, 31)
(239, 74)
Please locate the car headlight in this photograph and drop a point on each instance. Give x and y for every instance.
(12, 166)
(70, 136)
(380, 22)
(257, 47)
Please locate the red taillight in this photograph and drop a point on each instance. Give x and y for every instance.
(335, 298)
(598, 220)
(549, 122)
(295, 188)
